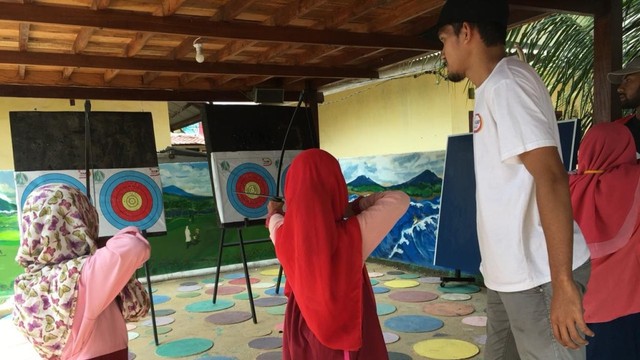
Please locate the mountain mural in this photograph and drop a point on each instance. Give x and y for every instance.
(425, 185)
(7, 206)
(174, 190)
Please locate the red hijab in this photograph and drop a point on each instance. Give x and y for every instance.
(321, 252)
(604, 193)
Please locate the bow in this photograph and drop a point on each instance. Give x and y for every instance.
(284, 144)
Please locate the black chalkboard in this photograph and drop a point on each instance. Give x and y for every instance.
(256, 127)
(56, 140)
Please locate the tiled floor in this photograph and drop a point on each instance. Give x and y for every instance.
(239, 340)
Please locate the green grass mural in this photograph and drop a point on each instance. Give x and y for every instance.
(188, 202)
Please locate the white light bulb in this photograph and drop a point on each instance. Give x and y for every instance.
(199, 55)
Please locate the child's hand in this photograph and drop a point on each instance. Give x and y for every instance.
(275, 206)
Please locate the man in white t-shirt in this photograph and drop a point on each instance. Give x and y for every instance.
(535, 262)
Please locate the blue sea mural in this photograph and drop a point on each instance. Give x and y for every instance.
(412, 239)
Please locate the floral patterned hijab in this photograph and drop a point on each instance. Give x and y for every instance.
(58, 232)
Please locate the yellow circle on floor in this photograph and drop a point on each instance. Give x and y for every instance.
(401, 283)
(446, 349)
(270, 272)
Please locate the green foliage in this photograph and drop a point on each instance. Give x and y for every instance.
(560, 48)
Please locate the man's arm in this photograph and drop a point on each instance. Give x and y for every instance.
(556, 216)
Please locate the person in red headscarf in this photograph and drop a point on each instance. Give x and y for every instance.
(322, 244)
(605, 194)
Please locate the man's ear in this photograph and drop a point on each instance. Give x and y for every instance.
(466, 32)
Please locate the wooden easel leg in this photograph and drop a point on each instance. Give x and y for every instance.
(246, 276)
(153, 310)
(220, 247)
(279, 280)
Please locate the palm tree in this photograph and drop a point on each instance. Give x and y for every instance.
(560, 48)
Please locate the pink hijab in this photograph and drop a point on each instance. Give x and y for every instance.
(605, 192)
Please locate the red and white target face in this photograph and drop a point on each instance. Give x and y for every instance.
(131, 201)
(251, 183)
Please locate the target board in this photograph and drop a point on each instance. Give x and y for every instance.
(244, 180)
(27, 181)
(129, 197)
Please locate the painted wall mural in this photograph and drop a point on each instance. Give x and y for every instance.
(412, 239)
(193, 223)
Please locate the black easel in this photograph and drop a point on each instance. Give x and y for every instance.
(88, 166)
(241, 242)
(153, 310)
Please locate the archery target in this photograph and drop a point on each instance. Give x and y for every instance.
(237, 175)
(28, 181)
(129, 198)
(246, 179)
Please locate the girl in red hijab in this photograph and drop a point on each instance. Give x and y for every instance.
(322, 244)
(605, 194)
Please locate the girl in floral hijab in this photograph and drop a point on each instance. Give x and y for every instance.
(65, 301)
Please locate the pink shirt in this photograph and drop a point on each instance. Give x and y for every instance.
(98, 326)
(380, 212)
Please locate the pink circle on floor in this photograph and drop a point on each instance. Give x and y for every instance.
(413, 296)
(160, 321)
(375, 274)
(475, 321)
(243, 281)
(226, 290)
(279, 327)
(448, 309)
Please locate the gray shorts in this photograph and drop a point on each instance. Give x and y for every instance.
(519, 325)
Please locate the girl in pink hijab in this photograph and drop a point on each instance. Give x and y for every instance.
(605, 194)
(72, 300)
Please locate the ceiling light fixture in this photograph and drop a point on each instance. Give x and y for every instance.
(199, 55)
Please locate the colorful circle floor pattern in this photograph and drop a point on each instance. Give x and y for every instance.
(437, 348)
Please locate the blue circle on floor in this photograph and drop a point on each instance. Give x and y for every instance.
(282, 281)
(398, 356)
(208, 306)
(272, 291)
(184, 347)
(160, 299)
(233, 276)
(413, 323)
(380, 289)
(384, 309)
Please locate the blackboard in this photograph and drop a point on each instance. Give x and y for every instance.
(457, 237)
(56, 140)
(256, 128)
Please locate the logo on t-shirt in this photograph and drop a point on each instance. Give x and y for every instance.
(477, 123)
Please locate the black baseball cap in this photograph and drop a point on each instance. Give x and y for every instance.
(474, 11)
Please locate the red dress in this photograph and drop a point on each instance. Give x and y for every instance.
(298, 339)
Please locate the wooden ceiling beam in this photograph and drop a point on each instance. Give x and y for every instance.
(137, 43)
(106, 62)
(231, 9)
(204, 28)
(100, 4)
(294, 10)
(399, 14)
(168, 7)
(82, 39)
(70, 92)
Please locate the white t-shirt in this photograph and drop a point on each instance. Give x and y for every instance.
(513, 114)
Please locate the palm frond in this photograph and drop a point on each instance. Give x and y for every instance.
(560, 48)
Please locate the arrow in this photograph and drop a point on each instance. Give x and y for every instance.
(271, 197)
